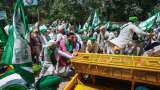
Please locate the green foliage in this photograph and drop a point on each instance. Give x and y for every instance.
(77, 11)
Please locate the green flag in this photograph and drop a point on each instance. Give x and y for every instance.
(87, 24)
(147, 24)
(158, 18)
(30, 2)
(17, 51)
(108, 24)
(43, 28)
(11, 77)
(96, 20)
(78, 29)
(3, 15)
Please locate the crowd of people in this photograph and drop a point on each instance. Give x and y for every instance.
(54, 45)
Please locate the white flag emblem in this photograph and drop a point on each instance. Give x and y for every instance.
(30, 2)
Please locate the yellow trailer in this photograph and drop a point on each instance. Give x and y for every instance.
(136, 69)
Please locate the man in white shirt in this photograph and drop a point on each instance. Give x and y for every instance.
(52, 35)
(50, 55)
(102, 39)
(126, 34)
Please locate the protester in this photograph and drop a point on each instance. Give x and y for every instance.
(61, 33)
(91, 45)
(68, 46)
(126, 34)
(54, 47)
(52, 34)
(102, 39)
(49, 57)
(36, 43)
(78, 40)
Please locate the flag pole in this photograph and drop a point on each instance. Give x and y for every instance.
(38, 13)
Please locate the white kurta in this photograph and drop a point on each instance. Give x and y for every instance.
(110, 37)
(43, 40)
(102, 38)
(158, 37)
(95, 34)
(126, 35)
(79, 40)
(53, 36)
(60, 37)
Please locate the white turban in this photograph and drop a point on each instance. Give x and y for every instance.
(102, 27)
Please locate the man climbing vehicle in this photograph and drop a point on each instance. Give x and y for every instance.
(126, 34)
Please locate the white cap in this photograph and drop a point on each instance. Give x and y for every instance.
(102, 27)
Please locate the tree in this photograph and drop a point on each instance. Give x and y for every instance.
(77, 11)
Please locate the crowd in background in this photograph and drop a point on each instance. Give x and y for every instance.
(36, 57)
(55, 44)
